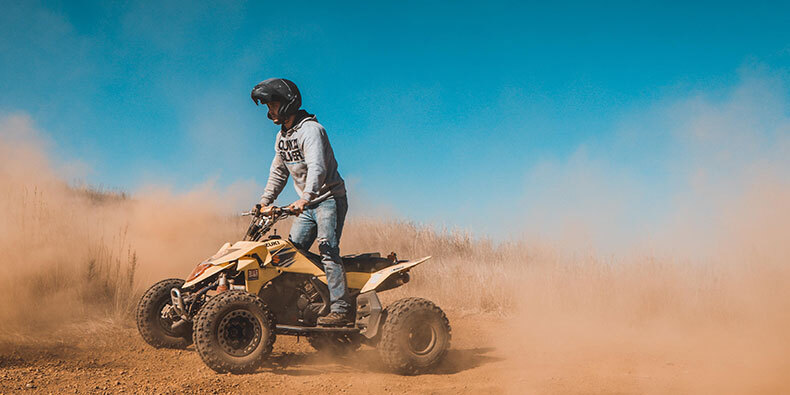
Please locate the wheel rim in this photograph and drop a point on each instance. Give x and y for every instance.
(422, 338)
(239, 333)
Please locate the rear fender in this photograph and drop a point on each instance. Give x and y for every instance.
(379, 277)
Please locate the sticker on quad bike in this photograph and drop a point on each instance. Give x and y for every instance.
(283, 257)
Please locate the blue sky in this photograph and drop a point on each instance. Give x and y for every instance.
(436, 110)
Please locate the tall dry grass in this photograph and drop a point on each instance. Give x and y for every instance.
(79, 260)
(473, 275)
(61, 267)
(79, 255)
(487, 272)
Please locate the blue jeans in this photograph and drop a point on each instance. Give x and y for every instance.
(325, 220)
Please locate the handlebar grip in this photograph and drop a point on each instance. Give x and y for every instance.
(288, 210)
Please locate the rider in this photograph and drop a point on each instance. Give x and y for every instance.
(302, 150)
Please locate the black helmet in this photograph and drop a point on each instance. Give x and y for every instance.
(281, 90)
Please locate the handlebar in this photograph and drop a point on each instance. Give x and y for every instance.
(274, 212)
(261, 224)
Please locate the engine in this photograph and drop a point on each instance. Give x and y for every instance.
(293, 299)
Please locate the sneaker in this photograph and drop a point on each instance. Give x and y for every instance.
(334, 319)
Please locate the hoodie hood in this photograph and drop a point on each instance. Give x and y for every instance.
(302, 116)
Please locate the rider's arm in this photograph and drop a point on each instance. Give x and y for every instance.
(278, 177)
(315, 157)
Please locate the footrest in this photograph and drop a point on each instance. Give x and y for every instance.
(306, 330)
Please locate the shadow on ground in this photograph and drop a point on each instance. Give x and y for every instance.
(309, 364)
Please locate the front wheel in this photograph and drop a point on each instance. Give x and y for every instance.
(154, 329)
(234, 332)
(415, 336)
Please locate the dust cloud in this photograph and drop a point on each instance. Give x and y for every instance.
(688, 292)
(685, 290)
(622, 285)
(75, 256)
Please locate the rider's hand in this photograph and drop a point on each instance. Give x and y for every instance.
(266, 211)
(298, 206)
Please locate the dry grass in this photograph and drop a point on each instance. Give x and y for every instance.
(472, 276)
(486, 272)
(61, 266)
(75, 271)
(80, 262)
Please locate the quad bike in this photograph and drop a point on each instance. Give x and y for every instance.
(234, 304)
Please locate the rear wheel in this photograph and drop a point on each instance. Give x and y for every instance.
(234, 332)
(415, 336)
(154, 329)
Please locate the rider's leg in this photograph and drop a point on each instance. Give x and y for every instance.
(330, 216)
(304, 230)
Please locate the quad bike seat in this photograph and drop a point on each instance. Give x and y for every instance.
(366, 263)
(362, 263)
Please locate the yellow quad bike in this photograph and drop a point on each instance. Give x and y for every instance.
(233, 305)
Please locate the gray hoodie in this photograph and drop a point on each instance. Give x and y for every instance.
(303, 151)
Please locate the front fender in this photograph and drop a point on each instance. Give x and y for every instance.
(207, 273)
(228, 255)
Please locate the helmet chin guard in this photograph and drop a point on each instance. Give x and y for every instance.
(280, 90)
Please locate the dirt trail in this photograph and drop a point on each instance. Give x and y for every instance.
(122, 362)
(119, 361)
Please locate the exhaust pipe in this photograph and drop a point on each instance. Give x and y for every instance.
(396, 280)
